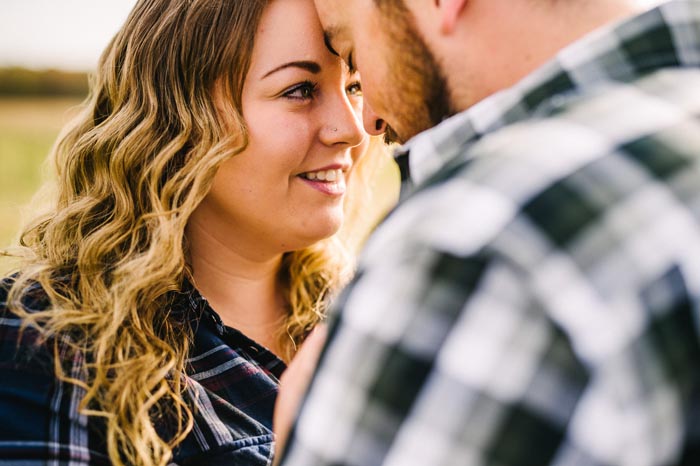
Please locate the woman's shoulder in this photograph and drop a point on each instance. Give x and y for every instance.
(22, 346)
(32, 296)
(5, 285)
(32, 397)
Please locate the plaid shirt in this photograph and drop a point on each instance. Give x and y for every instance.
(232, 379)
(535, 298)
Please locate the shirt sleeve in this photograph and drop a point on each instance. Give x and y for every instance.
(438, 358)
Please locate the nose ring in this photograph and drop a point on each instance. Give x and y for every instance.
(334, 129)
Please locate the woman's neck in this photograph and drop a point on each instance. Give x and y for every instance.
(245, 291)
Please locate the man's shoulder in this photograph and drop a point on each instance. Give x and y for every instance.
(565, 167)
(575, 128)
(656, 113)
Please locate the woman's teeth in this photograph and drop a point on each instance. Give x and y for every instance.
(323, 175)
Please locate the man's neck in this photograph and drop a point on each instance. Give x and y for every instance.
(528, 37)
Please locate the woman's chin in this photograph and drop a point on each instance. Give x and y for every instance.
(318, 231)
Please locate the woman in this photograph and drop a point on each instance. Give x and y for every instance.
(191, 247)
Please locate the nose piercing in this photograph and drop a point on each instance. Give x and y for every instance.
(334, 129)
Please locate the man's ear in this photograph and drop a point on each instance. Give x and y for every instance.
(449, 13)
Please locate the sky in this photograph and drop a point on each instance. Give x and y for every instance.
(64, 34)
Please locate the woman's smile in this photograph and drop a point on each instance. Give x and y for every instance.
(328, 180)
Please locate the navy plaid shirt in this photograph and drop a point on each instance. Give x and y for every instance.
(233, 380)
(535, 298)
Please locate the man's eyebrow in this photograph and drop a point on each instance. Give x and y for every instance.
(328, 36)
(310, 66)
(327, 39)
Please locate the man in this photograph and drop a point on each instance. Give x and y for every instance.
(535, 298)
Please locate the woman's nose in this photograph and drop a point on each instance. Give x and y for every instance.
(343, 125)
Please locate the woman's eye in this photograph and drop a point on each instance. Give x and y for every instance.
(354, 89)
(303, 91)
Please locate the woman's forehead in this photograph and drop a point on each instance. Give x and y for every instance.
(289, 31)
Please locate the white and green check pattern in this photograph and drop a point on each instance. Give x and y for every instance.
(535, 299)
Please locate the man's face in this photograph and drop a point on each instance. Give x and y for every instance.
(401, 80)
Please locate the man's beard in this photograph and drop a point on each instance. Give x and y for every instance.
(420, 95)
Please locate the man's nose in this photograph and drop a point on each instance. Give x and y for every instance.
(373, 124)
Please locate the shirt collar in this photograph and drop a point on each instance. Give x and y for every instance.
(665, 36)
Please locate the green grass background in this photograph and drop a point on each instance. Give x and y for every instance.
(28, 128)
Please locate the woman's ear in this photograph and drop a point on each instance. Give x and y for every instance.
(449, 13)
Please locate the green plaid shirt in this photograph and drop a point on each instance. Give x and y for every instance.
(535, 300)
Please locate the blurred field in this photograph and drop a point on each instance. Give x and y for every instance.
(28, 128)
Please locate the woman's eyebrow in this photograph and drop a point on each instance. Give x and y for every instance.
(310, 66)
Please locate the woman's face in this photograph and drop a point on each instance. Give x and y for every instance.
(303, 110)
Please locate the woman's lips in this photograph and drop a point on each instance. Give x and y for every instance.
(330, 182)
